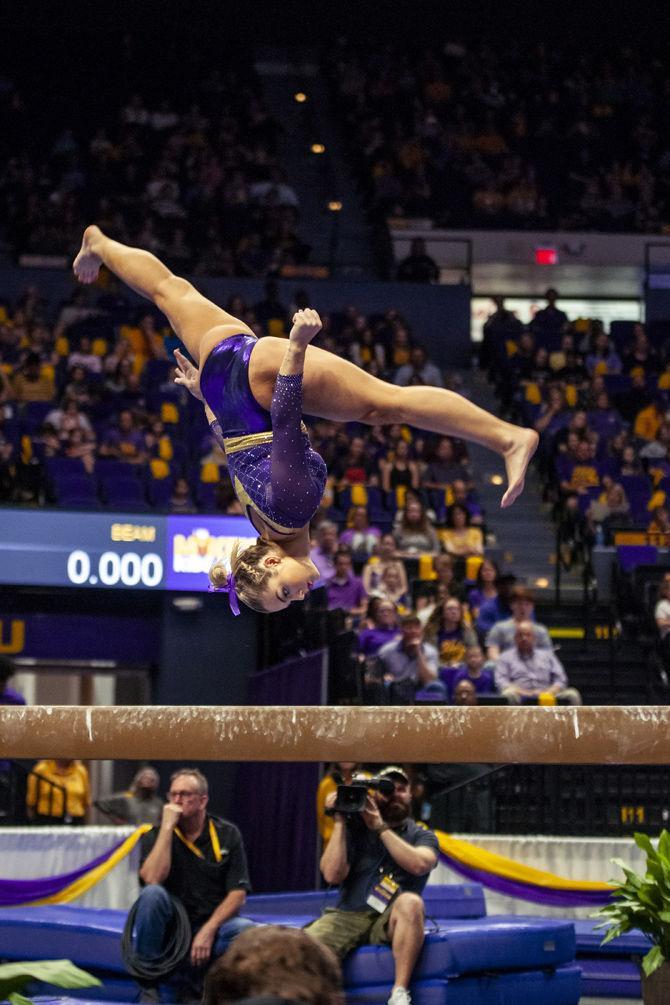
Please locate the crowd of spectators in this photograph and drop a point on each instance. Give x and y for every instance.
(194, 177)
(523, 134)
(600, 403)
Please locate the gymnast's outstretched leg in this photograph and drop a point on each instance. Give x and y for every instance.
(198, 322)
(334, 388)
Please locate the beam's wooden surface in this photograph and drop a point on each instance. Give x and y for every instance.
(497, 735)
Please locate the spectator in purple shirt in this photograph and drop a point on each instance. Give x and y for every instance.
(125, 443)
(345, 590)
(476, 671)
(384, 627)
(525, 672)
(323, 552)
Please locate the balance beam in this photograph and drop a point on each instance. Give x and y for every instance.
(495, 735)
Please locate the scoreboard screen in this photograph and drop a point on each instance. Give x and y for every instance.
(115, 550)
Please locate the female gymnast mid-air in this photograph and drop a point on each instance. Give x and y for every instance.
(255, 391)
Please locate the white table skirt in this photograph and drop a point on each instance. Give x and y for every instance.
(32, 852)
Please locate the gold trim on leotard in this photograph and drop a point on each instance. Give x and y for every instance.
(232, 444)
(248, 503)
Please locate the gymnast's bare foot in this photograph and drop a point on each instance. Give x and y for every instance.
(517, 457)
(86, 265)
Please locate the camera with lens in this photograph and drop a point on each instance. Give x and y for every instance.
(350, 799)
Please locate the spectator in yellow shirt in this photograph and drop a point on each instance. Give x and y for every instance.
(648, 421)
(48, 803)
(33, 382)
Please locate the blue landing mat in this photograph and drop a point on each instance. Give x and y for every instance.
(562, 987)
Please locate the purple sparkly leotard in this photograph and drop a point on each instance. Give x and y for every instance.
(271, 464)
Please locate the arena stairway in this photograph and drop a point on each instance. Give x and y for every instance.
(340, 240)
(524, 535)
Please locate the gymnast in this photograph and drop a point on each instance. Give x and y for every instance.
(255, 391)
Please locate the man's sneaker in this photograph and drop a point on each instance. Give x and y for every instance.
(400, 996)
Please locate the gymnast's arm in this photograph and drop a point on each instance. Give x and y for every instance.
(289, 465)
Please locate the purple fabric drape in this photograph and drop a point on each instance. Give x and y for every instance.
(24, 891)
(276, 804)
(535, 894)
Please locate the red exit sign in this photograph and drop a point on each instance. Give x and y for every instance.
(546, 256)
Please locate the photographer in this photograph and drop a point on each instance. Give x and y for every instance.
(381, 859)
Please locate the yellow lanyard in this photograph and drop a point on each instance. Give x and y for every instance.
(213, 837)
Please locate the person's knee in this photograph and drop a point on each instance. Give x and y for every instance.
(154, 893)
(409, 907)
(384, 407)
(170, 289)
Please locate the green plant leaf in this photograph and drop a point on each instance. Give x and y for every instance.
(14, 976)
(643, 841)
(16, 999)
(652, 961)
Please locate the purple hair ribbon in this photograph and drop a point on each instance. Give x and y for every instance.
(227, 587)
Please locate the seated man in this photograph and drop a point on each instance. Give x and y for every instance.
(409, 664)
(501, 636)
(528, 672)
(199, 860)
(381, 860)
(345, 590)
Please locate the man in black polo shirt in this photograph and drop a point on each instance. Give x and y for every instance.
(381, 859)
(199, 860)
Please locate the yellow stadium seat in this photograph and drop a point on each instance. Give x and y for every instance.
(7, 368)
(99, 347)
(276, 327)
(62, 346)
(664, 381)
(169, 412)
(26, 449)
(657, 499)
(165, 449)
(448, 496)
(160, 469)
(47, 370)
(571, 395)
(581, 325)
(359, 495)
(400, 496)
(510, 347)
(472, 564)
(209, 472)
(533, 394)
(426, 570)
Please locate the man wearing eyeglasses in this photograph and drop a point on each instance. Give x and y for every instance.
(199, 860)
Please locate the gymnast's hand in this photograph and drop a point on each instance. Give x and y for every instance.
(306, 325)
(187, 375)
